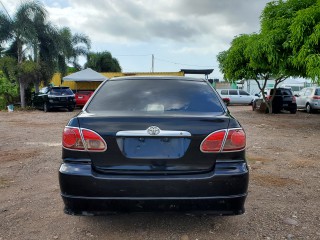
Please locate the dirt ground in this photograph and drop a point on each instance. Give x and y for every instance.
(283, 151)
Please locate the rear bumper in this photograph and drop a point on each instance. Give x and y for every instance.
(62, 105)
(222, 191)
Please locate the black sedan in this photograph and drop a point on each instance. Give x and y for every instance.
(154, 144)
(54, 97)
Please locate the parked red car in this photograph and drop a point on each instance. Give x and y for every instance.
(82, 97)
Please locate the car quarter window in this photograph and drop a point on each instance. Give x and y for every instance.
(302, 92)
(308, 92)
(224, 92)
(155, 96)
(243, 93)
(233, 92)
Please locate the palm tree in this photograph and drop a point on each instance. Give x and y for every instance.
(71, 48)
(20, 31)
(103, 62)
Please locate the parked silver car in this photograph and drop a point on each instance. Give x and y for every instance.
(309, 99)
(236, 96)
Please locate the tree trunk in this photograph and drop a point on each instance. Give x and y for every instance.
(36, 86)
(22, 94)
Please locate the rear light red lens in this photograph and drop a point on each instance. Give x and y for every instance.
(236, 140)
(216, 141)
(213, 142)
(316, 97)
(293, 99)
(94, 141)
(72, 139)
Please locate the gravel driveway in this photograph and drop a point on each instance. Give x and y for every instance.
(284, 193)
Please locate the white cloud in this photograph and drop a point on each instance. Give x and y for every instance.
(174, 29)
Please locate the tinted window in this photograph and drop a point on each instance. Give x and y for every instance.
(224, 92)
(158, 96)
(317, 92)
(233, 92)
(43, 90)
(278, 91)
(241, 92)
(61, 91)
(286, 92)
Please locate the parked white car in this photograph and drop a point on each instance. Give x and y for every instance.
(309, 99)
(236, 96)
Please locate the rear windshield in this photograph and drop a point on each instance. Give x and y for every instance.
(317, 92)
(155, 96)
(61, 91)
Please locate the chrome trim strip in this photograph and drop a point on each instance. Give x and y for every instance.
(144, 133)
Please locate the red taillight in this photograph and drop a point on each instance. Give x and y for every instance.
(236, 140)
(213, 142)
(316, 97)
(92, 141)
(294, 99)
(217, 141)
(72, 139)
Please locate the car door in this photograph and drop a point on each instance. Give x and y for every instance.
(299, 98)
(234, 96)
(245, 97)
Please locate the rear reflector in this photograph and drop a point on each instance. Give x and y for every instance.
(316, 97)
(72, 139)
(227, 140)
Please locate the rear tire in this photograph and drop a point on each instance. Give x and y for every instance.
(293, 111)
(309, 108)
(70, 109)
(45, 107)
(253, 106)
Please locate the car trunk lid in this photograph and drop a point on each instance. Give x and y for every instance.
(135, 145)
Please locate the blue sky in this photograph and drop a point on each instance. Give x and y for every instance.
(180, 33)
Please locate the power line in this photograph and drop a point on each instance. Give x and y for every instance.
(177, 63)
(6, 10)
(131, 55)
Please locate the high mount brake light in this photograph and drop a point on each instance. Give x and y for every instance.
(227, 140)
(72, 139)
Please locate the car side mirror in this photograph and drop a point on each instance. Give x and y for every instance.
(297, 95)
(257, 95)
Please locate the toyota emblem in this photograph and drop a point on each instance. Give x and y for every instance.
(153, 130)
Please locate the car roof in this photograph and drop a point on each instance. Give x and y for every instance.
(156, 78)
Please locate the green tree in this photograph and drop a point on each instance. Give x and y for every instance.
(287, 45)
(305, 38)
(102, 62)
(20, 31)
(72, 46)
(249, 57)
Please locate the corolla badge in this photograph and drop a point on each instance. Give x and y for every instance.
(153, 130)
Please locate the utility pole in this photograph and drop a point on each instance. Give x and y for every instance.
(152, 65)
